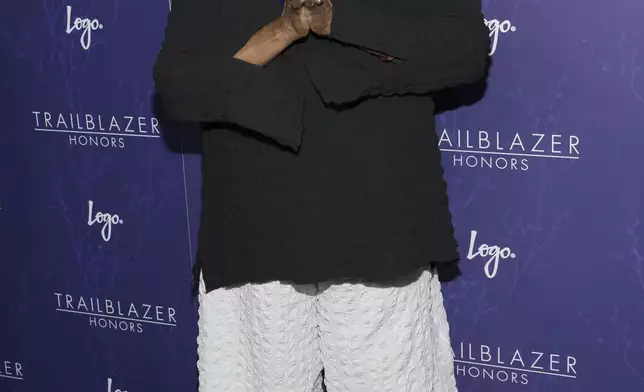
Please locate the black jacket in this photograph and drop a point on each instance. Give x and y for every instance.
(323, 164)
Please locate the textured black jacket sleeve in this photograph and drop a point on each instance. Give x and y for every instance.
(198, 80)
(436, 43)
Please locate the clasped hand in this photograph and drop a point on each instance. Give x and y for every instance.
(303, 16)
(298, 19)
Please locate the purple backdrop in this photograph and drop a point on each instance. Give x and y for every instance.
(99, 203)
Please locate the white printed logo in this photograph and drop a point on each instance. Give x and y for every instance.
(113, 314)
(495, 254)
(488, 362)
(109, 387)
(106, 219)
(85, 25)
(497, 28)
(11, 370)
(504, 150)
(97, 130)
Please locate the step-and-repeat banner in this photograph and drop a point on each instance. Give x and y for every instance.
(99, 203)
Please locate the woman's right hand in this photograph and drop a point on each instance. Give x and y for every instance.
(320, 16)
(295, 19)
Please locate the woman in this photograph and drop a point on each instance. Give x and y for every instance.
(325, 221)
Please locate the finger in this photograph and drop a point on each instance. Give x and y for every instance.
(297, 3)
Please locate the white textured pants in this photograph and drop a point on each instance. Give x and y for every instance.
(277, 337)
